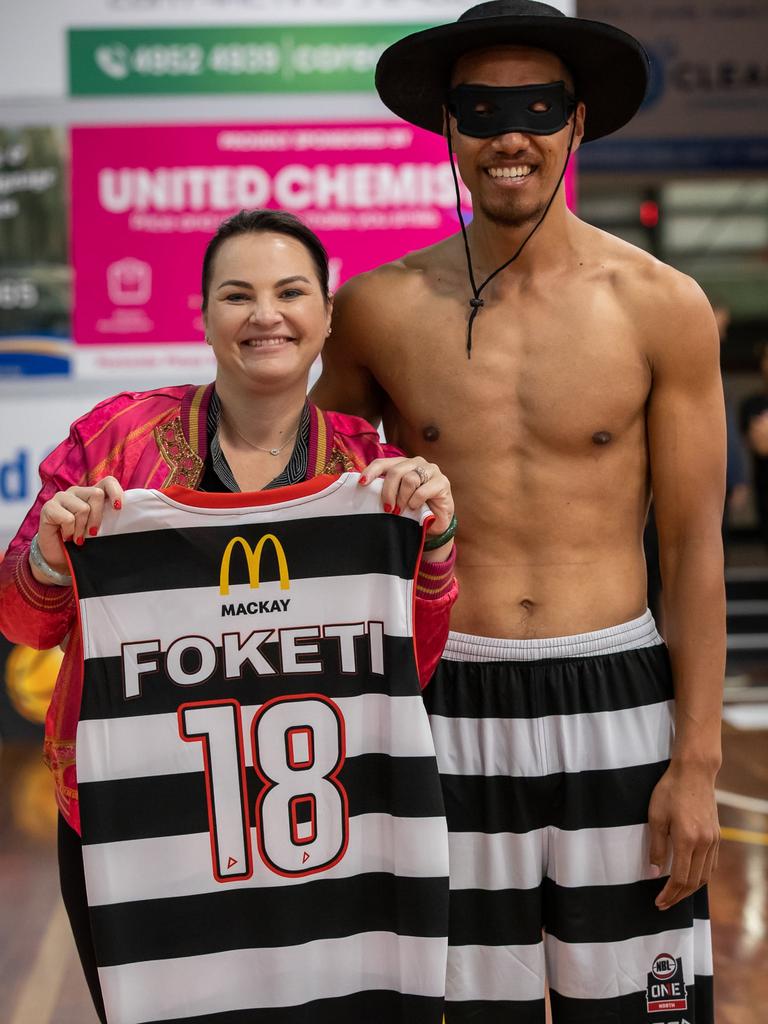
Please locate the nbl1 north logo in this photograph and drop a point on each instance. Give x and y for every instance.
(666, 985)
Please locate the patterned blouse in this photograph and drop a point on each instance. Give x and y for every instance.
(217, 475)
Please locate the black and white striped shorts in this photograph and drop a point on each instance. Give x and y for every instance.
(549, 751)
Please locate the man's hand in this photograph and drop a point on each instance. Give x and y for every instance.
(683, 813)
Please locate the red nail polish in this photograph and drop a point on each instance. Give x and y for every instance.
(387, 508)
(396, 510)
(117, 504)
(79, 541)
(93, 530)
(363, 479)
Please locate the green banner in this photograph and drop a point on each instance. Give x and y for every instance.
(261, 58)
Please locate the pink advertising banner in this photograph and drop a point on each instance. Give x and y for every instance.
(146, 199)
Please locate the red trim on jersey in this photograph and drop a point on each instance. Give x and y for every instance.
(428, 520)
(247, 499)
(65, 549)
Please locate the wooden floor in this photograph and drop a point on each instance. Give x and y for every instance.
(40, 978)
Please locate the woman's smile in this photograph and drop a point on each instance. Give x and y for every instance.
(271, 341)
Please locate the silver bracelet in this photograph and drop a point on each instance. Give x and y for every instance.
(59, 579)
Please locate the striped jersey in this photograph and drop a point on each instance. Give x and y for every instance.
(263, 830)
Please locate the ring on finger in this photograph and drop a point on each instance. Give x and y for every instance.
(422, 474)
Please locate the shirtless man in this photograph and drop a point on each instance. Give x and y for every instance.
(580, 797)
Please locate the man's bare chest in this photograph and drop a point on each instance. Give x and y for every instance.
(532, 380)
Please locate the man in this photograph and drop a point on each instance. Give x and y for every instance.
(574, 806)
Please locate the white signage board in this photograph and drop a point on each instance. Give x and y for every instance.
(34, 419)
(34, 38)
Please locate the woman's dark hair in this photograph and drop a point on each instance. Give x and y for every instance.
(256, 221)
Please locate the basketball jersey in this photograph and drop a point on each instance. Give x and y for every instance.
(263, 830)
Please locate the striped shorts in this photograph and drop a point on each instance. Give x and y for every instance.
(549, 751)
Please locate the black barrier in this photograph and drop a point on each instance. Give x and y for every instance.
(26, 684)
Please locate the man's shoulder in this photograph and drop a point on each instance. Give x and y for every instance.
(409, 274)
(645, 287)
(663, 311)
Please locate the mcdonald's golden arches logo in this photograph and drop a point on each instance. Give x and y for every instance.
(253, 558)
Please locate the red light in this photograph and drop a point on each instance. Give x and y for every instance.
(649, 213)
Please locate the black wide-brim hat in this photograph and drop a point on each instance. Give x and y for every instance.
(610, 68)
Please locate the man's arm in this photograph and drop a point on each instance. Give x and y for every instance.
(686, 434)
(347, 383)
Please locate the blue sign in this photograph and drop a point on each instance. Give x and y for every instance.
(34, 356)
(675, 155)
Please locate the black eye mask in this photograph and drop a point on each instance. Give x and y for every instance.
(483, 111)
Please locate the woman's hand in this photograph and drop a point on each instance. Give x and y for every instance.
(411, 483)
(71, 515)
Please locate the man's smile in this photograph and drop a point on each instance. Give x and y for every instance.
(510, 172)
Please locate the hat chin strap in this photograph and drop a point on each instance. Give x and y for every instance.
(476, 303)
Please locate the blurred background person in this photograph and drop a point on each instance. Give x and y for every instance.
(736, 481)
(753, 417)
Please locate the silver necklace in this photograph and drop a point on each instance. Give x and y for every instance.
(267, 451)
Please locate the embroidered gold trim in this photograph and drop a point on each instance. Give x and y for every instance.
(185, 465)
(194, 439)
(436, 577)
(52, 742)
(57, 765)
(40, 600)
(322, 435)
(431, 590)
(339, 462)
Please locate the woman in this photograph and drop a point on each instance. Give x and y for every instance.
(267, 312)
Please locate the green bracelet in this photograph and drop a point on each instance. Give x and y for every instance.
(431, 543)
